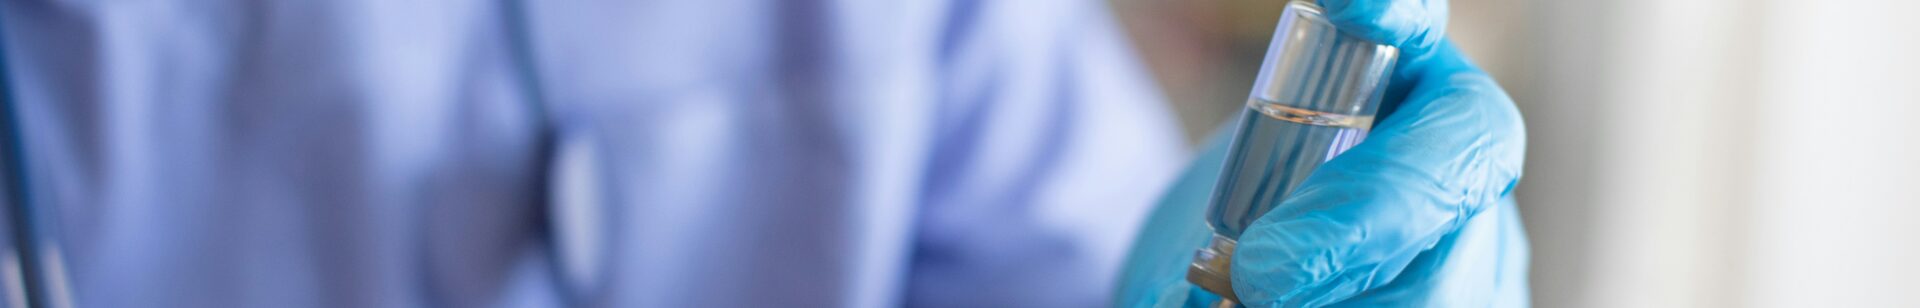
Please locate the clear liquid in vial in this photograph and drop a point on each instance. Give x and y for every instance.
(1275, 149)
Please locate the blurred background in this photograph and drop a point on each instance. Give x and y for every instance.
(1698, 153)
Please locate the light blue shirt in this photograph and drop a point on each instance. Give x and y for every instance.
(727, 153)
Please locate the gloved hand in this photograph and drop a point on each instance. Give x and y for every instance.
(1417, 215)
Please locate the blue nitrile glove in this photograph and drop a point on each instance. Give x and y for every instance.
(1416, 215)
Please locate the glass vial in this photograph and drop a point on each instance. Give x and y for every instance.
(1316, 97)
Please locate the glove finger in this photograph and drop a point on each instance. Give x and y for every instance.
(1455, 147)
(1417, 27)
(1466, 269)
(1414, 26)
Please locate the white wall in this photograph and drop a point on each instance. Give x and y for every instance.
(1718, 152)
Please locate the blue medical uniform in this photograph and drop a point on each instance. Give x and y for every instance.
(723, 153)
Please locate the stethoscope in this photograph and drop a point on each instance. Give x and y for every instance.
(30, 277)
(31, 282)
(575, 289)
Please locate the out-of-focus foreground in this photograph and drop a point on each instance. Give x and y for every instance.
(1681, 153)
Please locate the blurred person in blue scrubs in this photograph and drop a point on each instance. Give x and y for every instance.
(734, 153)
(514, 153)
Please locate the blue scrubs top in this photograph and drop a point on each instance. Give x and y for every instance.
(722, 153)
